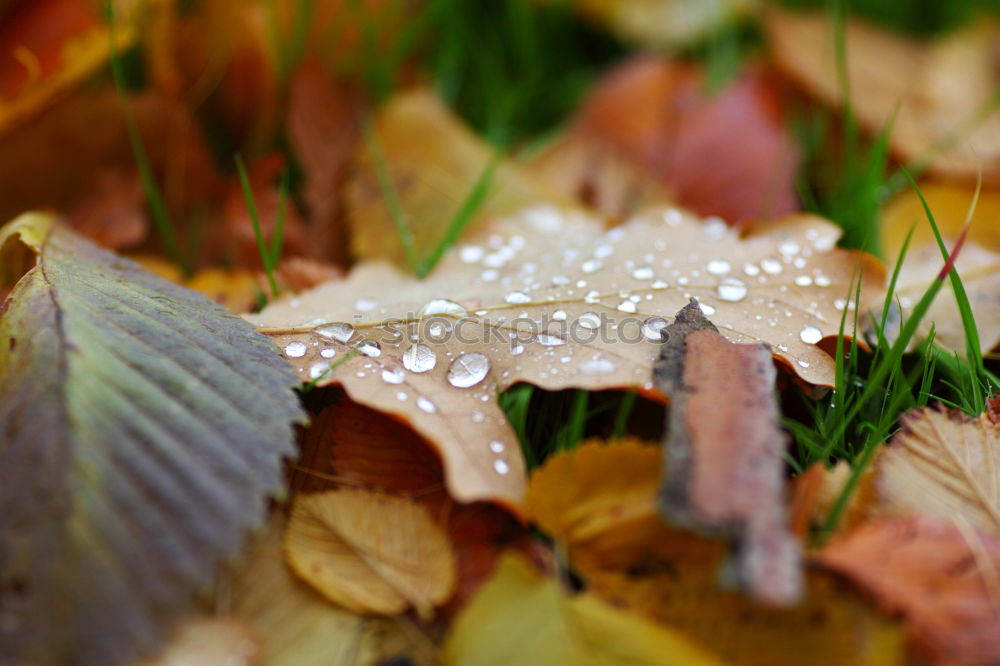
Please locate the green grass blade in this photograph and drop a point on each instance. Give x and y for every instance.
(625, 407)
(462, 217)
(265, 254)
(157, 206)
(278, 236)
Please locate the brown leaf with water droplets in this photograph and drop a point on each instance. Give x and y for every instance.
(556, 300)
(943, 463)
(941, 577)
(370, 552)
(937, 96)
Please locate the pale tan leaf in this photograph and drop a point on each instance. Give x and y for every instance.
(370, 552)
(208, 641)
(521, 618)
(296, 626)
(555, 299)
(943, 463)
(936, 95)
(978, 263)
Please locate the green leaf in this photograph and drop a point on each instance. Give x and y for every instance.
(142, 428)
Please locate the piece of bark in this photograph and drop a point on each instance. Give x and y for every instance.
(724, 453)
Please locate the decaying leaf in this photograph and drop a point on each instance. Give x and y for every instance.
(435, 162)
(978, 263)
(556, 300)
(659, 23)
(724, 452)
(941, 577)
(146, 425)
(938, 96)
(295, 626)
(727, 154)
(599, 502)
(370, 552)
(524, 618)
(208, 641)
(943, 463)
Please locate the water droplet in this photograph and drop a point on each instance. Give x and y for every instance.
(597, 366)
(803, 280)
(659, 284)
(295, 349)
(369, 348)
(443, 306)
(470, 254)
(731, 290)
(706, 309)
(516, 348)
(328, 352)
(751, 269)
(591, 266)
(501, 467)
(468, 370)
(559, 315)
(489, 275)
(338, 332)
(590, 320)
(810, 335)
(419, 358)
(771, 266)
(550, 340)
(365, 304)
(592, 296)
(478, 416)
(627, 306)
(821, 281)
(426, 405)
(517, 298)
(393, 375)
(803, 364)
(496, 446)
(718, 267)
(317, 370)
(789, 247)
(643, 273)
(401, 395)
(653, 327)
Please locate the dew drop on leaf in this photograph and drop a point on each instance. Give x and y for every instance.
(340, 332)
(653, 327)
(295, 349)
(468, 370)
(517, 298)
(426, 405)
(442, 306)
(393, 375)
(370, 348)
(731, 290)
(501, 467)
(550, 340)
(589, 320)
(810, 335)
(419, 358)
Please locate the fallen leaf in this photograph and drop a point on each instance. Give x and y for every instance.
(936, 95)
(978, 263)
(664, 23)
(148, 426)
(555, 300)
(233, 288)
(727, 155)
(943, 463)
(435, 162)
(939, 576)
(295, 626)
(599, 502)
(526, 619)
(370, 552)
(208, 641)
(724, 452)
(300, 273)
(113, 216)
(351, 446)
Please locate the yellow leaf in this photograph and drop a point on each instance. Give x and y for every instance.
(370, 552)
(521, 618)
(943, 463)
(295, 626)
